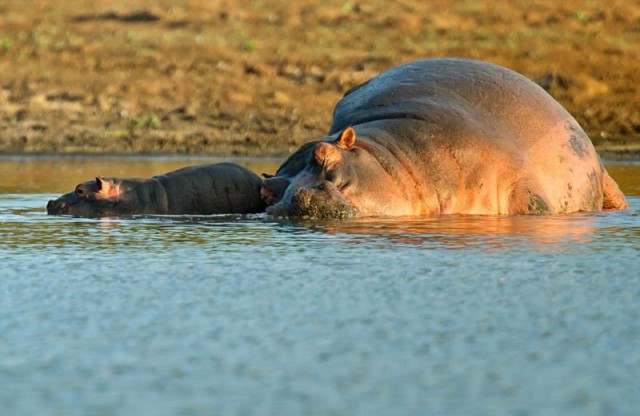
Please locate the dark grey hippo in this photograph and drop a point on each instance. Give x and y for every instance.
(222, 188)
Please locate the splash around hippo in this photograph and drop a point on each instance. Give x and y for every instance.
(219, 188)
(444, 136)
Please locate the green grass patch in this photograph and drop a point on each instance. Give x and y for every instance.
(152, 122)
(249, 45)
(5, 43)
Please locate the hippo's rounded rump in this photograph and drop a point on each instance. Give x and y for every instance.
(451, 136)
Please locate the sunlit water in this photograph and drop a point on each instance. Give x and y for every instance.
(250, 316)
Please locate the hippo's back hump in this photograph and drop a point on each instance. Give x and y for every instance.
(213, 188)
(429, 88)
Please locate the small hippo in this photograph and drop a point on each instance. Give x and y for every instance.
(444, 136)
(221, 188)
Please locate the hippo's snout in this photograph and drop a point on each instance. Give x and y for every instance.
(321, 202)
(57, 207)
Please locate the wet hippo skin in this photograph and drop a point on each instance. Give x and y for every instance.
(222, 188)
(444, 136)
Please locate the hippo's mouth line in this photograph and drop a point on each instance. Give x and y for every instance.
(58, 208)
(308, 203)
(65, 209)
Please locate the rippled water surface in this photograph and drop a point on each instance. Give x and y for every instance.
(250, 316)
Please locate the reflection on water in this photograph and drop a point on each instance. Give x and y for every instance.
(26, 226)
(60, 175)
(249, 315)
(465, 231)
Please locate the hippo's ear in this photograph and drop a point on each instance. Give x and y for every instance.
(326, 155)
(347, 139)
(107, 188)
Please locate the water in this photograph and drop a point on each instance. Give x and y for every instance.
(250, 316)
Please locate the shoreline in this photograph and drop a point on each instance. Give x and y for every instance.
(606, 156)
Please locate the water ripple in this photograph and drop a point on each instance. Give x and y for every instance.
(193, 315)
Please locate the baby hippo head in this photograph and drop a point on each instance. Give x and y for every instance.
(96, 198)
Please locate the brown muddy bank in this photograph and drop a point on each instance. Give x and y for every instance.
(261, 77)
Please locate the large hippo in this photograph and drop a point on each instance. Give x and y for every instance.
(222, 188)
(444, 136)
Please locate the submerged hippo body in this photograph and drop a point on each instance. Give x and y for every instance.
(222, 188)
(444, 136)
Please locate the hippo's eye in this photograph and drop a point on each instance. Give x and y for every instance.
(80, 192)
(344, 185)
(334, 176)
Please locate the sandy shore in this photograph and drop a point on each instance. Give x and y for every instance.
(261, 77)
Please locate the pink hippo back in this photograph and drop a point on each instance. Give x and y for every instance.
(446, 136)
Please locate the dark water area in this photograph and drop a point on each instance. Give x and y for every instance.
(246, 315)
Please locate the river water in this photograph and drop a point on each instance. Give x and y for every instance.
(251, 316)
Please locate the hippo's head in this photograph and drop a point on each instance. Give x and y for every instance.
(329, 179)
(97, 198)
